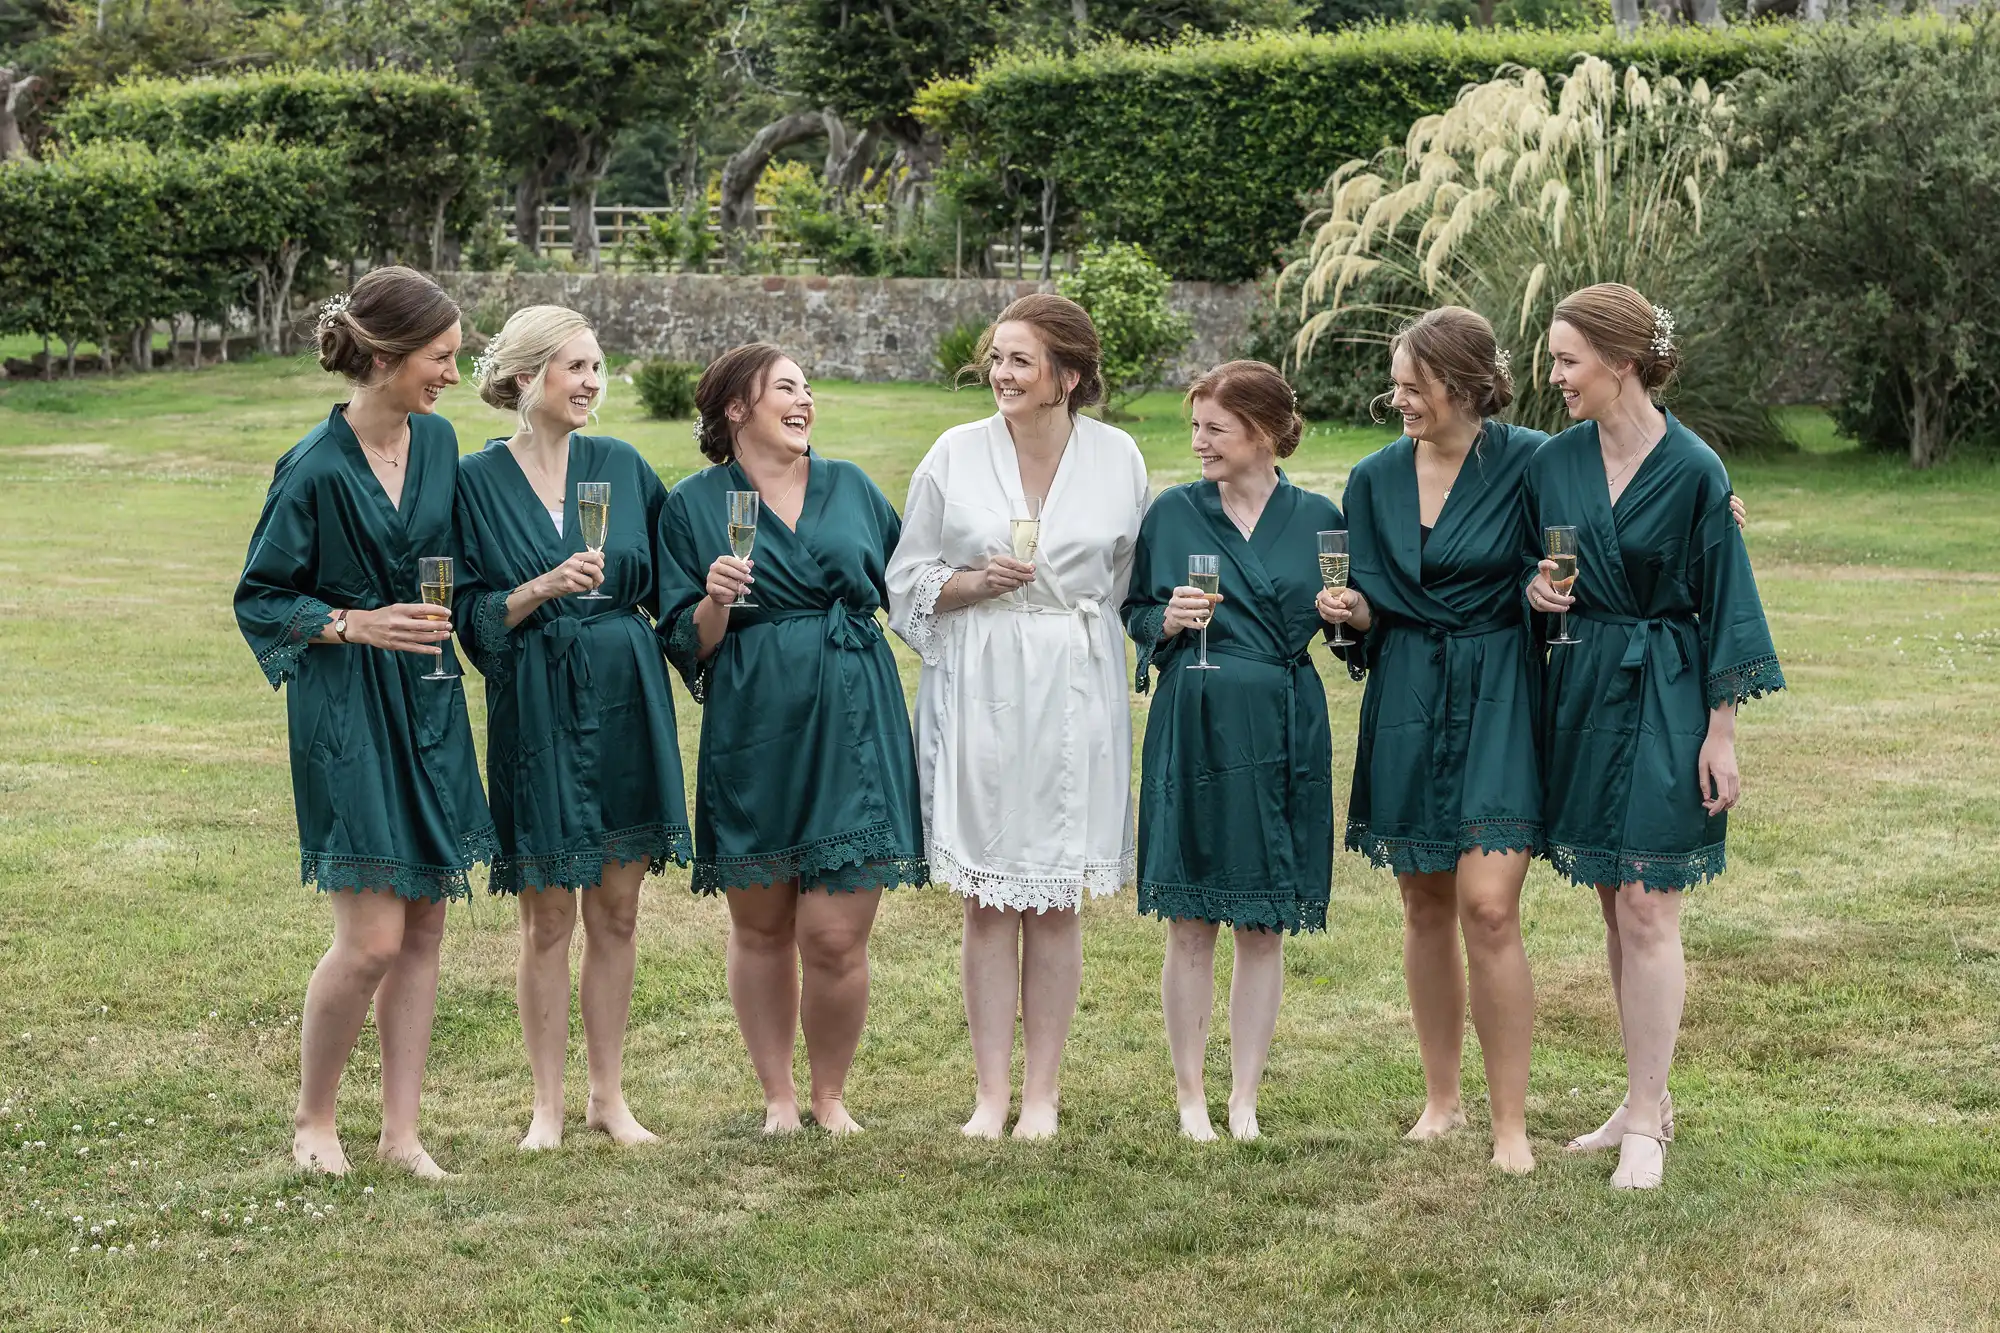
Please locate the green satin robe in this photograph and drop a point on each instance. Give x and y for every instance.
(583, 763)
(1236, 780)
(1671, 626)
(806, 770)
(383, 772)
(1445, 760)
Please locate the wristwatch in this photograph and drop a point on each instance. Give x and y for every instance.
(340, 627)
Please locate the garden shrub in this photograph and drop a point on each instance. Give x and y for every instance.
(1125, 293)
(666, 388)
(955, 350)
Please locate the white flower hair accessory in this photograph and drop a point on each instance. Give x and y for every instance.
(697, 428)
(330, 310)
(1503, 363)
(1663, 331)
(482, 365)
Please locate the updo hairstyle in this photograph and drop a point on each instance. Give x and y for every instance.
(1066, 334)
(737, 376)
(1456, 347)
(527, 346)
(1258, 396)
(1622, 326)
(391, 312)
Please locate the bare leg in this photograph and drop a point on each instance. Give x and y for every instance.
(833, 944)
(1051, 976)
(405, 1005)
(990, 967)
(367, 937)
(1436, 981)
(763, 970)
(1187, 993)
(610, 929)
(1654, 992)
(1612, 1130)
(1255, 989)
(1503, 993)
(541, 990)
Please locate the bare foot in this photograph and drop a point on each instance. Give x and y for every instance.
(781, 1118)
(1435, 1123)
(1642, 1163)
(988, 1121)
(616, 1119)
(1243, 1122)
(1195, 1124)
(545, 1131)
(318, 1150)
(1512, 1154)
(1607, 1135)
(1038, 1121)
(414, 1159)
(831, 1113)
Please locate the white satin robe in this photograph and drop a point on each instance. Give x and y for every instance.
(1023, 721)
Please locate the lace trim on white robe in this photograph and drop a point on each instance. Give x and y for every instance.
(922, 635)
(1029, 893)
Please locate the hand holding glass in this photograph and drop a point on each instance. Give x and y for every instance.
(434, 585)
(1205, 577)
(1024, 532)
(593, 520)
(1333, 576)
(744, 507)
(1559, 540)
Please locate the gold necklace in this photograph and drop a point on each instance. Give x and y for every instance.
(1630, 462)
(1245, 528)
(370, 450)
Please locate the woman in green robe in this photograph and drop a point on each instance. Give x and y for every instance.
(1639, 715)
(806, 799)
(383, 772)
(1447, 787)
(583, 758)
(1235, 784)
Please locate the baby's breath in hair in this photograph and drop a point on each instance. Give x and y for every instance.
(1503, 362)
(1663, 331)
(331, 309)
(482, 365)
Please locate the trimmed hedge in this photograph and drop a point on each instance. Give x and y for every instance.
(1204, 151)
(414, 145)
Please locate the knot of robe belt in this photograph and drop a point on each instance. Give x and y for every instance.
(1087, 610)
(560, 634)
(856, 633)
(1443, 766)
(1639, 642)
(1296, 769)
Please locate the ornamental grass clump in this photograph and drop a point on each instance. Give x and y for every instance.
(1509, 201)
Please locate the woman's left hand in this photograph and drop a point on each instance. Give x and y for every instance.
(1738, 512)
(1721, 785)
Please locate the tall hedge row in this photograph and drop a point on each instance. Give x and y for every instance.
(1202, 151)
(413, 146)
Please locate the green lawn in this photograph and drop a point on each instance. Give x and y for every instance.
(1837, 1165)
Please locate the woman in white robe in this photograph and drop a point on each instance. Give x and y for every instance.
(1023, 724)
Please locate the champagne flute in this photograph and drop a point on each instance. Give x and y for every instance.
(1333, 576)
(434, 585)
(1024, 532)
(744, 506)
(593, 521)
(1559, 540)
(1205, 575)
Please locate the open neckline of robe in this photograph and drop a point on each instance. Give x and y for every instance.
(1404, 546)
(1247, 553)
(355, 456)
(1017, 489)
(555, 547)
(1604, 514)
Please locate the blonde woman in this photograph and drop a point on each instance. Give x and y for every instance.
(583, 760)
(1024, 731)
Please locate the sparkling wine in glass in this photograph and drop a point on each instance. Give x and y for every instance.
(744, 506)
(1024, 534)
(434, 586)
(593, 520)
(1205, 576)
(1559, 541)
(1333, 575)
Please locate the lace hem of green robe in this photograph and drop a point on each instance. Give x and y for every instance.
(683, 649)
(490, 635)
(332, 873)
(1661, 873)
(1145, 631)
(281, 662)
(1740, 684)
(654, 844)
(865, 858)
(1414, 856)
(1188, 902)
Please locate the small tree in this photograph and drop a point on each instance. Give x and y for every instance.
(1125, 293)
(1866, 225)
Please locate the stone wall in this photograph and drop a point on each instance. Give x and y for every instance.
(838, 328)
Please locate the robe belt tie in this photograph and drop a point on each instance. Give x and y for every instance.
(1087, 611)
(1640, 639)
(856, 633)
(559, 638)
(1442, 725)
(1295, 770)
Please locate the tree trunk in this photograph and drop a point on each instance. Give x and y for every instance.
(586, 169)
(1816, 11)
(1079, 13)
(69, 356)
(1048, 227)
(1625, 14)
(437, 225)
(745, 166)
(14, 93)
(288, 267)
(1708, 13)
(848, 154)
(1485, 13)
(142, 346)
(529, 193)
(1927, 425)
(105, 362)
